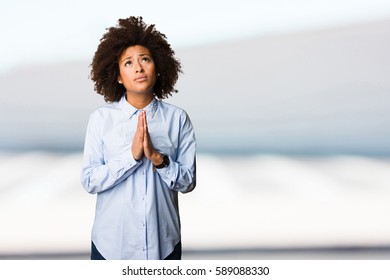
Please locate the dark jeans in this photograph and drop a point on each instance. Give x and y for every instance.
(175, 255)
(95, 254)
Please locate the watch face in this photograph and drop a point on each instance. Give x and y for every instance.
(165, 160)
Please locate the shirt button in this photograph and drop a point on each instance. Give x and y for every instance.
(142, 172)
(143, 249)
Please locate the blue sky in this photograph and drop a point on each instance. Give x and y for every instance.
(43, 31)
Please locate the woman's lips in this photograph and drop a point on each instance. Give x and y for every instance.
(140, 79)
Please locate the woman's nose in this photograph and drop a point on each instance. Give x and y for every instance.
(139, 68)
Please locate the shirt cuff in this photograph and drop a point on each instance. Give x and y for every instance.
(169, 173)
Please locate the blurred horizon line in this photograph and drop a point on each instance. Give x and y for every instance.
(293, 252)
(223, 152)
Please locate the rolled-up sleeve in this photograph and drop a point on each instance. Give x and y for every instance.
(180, 175)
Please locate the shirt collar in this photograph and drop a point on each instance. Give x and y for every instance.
(130, 110)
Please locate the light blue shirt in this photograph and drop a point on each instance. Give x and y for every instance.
(137, 214)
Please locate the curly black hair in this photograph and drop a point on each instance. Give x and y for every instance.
(130, 32)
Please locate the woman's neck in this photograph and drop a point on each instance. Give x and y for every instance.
(139, 101)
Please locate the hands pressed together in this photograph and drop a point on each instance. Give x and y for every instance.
(142, 145)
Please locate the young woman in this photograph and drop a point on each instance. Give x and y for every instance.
(139, 151)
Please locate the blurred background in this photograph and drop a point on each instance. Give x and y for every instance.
(290, 101)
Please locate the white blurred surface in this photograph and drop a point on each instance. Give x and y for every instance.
(266, 201)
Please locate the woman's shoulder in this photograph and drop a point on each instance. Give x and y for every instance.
(172, 108)
(175, 113)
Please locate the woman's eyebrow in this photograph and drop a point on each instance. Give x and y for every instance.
(141, 54)
(126, 58)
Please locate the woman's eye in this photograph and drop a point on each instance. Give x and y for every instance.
(146, 59)
(128, 63)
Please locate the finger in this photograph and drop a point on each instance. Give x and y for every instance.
(145, 123)
(148, 147)
(143, 119)
(139, 134)
(145, 127)
(137, 147)
(140, 124)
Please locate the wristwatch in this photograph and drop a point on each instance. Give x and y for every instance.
(164, 163)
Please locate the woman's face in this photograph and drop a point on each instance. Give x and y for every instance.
(137, 70)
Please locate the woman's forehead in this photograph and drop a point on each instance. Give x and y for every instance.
(136, 50)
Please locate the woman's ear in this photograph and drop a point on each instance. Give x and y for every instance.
(119, 80)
